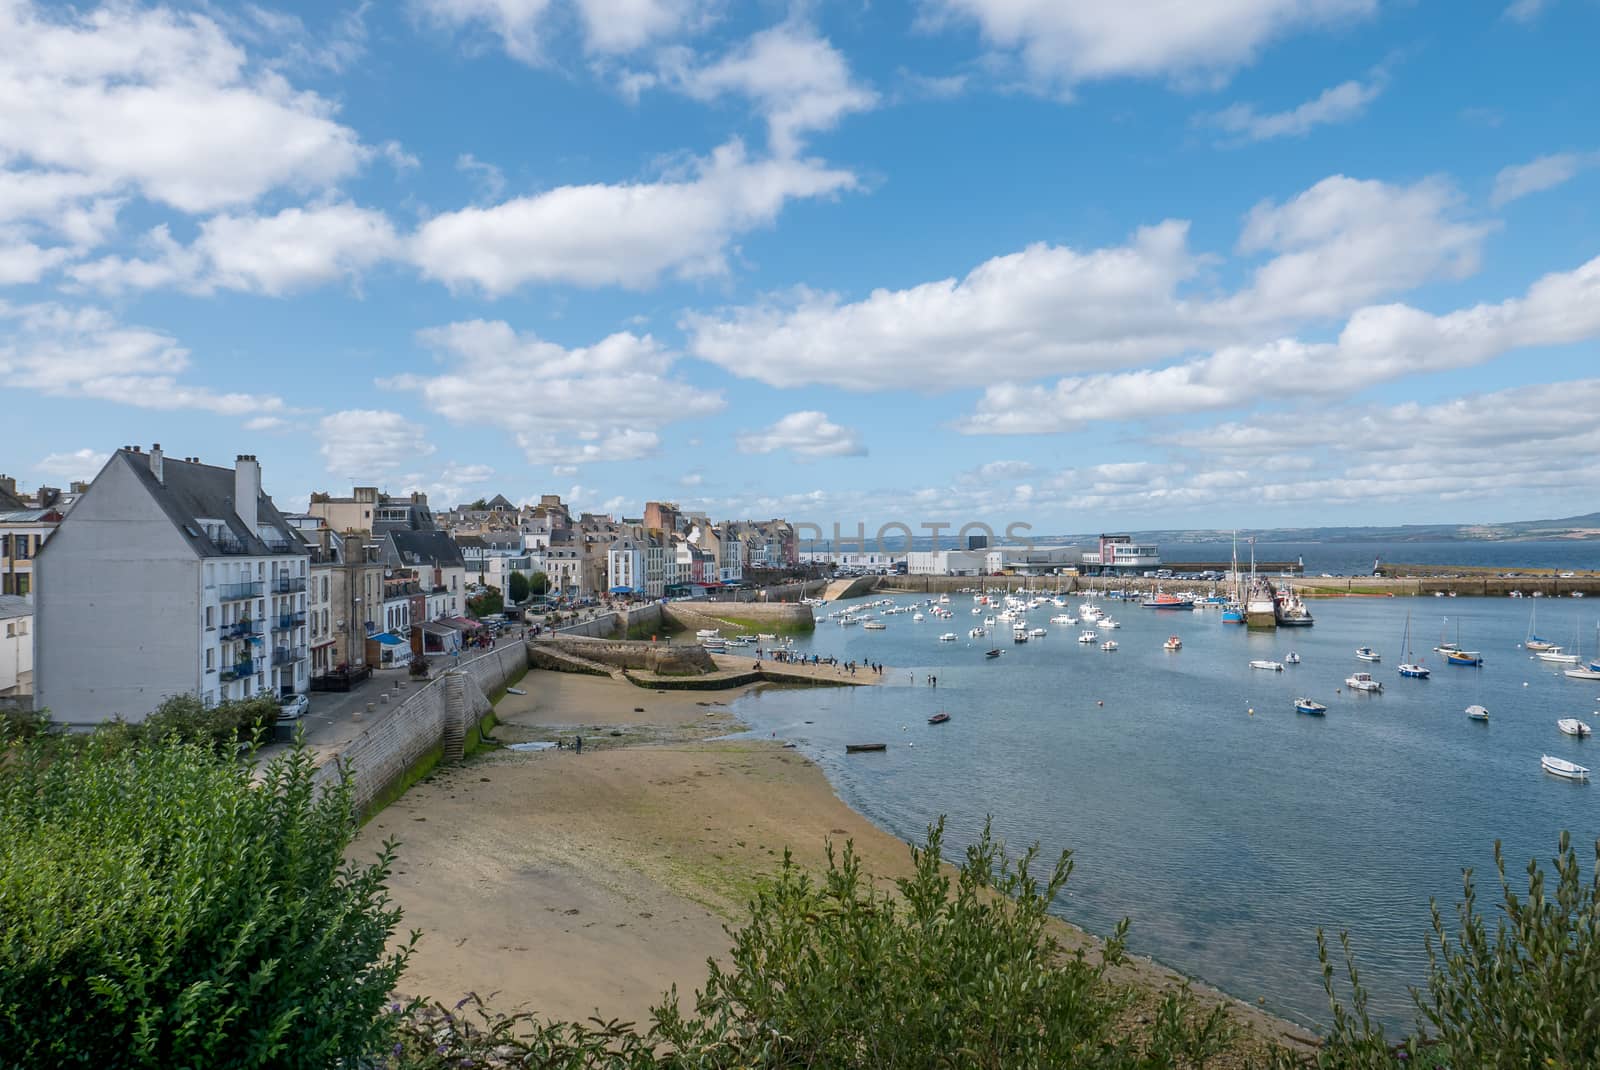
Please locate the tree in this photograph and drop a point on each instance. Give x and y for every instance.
(538, 584)
(518, 585)
(159, 908)
(486, 604)
(481, 505)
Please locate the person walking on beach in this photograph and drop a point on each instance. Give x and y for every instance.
(578, 745)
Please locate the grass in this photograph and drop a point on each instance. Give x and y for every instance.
(420, 770)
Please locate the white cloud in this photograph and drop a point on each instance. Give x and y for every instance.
(360, 444)
(999, 472)
(1538, 175)
(266, 423)
(1378, 344)
(78, 464)
(1056, 310)
(85, 353)
(627, 234)
(1063, 42)
(1526, 10)
(604, 402)
(1339, 104)
(24, 262)
(528, 29)
(798, 81)
(159, 102)
(490, 178)
(296, 248)
(805, 434)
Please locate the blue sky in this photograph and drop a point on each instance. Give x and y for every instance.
(1238, 264)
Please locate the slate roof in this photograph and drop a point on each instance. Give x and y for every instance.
(190, 492)
(14, 605)
(435, 548)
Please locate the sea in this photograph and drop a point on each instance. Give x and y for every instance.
(1195, 800)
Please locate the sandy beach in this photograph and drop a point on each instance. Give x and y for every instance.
(588, 884)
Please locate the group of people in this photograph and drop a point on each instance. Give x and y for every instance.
(792, 658)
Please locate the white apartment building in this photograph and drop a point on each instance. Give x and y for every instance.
(625, 567)
(169, 577)
(16, 645)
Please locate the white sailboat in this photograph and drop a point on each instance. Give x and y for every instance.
(1408, 667)
(1533, 642)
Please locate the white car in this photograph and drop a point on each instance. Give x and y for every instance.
(292, 706)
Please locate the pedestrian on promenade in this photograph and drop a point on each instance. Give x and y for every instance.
(578, 745)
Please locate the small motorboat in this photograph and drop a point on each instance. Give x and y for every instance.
(1366, 653)
(1291, 658)
(515, 691)
(1573, 727)
(939, 718)
(1037, 633)
(1063, 618)
(1557, 656)
(1109, 645)
(1270, 666)
(1107, 622)
(1362, 681)
(1415, 672)
(995, 653)
(864, 748)
(1172, 643)
(948, 637)
(1305, 705)
(976, 633)
(918, 616)
(1477, 713)
(875, 626)
(1562, 768)
(1463, 657)
(1088, 637)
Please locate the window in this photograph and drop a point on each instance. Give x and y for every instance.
(211, 617)
(211, 660)
(24, 582)
(11, 630)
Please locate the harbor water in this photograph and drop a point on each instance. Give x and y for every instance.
(1194, 798)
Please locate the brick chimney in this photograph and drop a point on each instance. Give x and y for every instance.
(246, 489)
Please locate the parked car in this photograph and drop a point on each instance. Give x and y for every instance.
(292, 706)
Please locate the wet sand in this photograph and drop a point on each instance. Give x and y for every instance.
(582, 884)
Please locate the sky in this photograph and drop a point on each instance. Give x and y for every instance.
(1247, 263)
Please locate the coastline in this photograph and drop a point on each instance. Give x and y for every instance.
(574, 884)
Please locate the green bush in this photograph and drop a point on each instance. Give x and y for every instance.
(159, 909)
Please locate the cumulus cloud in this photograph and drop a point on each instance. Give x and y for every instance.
(627, 234)
(73, 465)
(798, 81)
(807, 434)
(274, 255)
(71, 352)
(360, 444)
(1378, 344)
(527, 29)
(1060, 43)
(1054, 310)
(1339, 104)
(605, 402)
(1538, 175)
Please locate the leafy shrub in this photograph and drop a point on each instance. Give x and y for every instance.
(420, 667)
(159, 909)
(1529, 995)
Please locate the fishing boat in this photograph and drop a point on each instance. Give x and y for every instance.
(948, 637)
(1562, 768)
(1366, 653)
(1172, 643)
(1163, 600)
(1477, 712)
(939, 718)
(1270, 666)
(1362, 681)
(1088, 637)
(1409, 667)
(1291, 658)
(1233, 613)
(864, 748)
(1305, 705)
(1573, 727)
(995, 653)
(1109, 645)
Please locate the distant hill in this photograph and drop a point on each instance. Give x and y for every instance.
(1570, 527)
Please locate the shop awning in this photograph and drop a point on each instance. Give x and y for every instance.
(389, 639)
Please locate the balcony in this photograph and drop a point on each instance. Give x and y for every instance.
(289, 585)
(238, 592)
(288, 655)
(288, 621)
(243, 629)
(239, 670)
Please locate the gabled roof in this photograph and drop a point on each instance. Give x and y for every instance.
(189, 492)
(434, 548)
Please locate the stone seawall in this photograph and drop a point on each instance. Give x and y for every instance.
(429, 723)
(740, 616)
(682, 660)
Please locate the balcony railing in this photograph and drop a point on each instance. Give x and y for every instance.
(287, 621)
(288, 655)
(241, 629)
(239, 669)
(237, 592)
(289, 585)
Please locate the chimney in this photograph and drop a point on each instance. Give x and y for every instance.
(246, 489)
(8, 484)
(156, 468)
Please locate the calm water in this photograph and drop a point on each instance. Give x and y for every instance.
(1226, 836)
(1356, 558)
